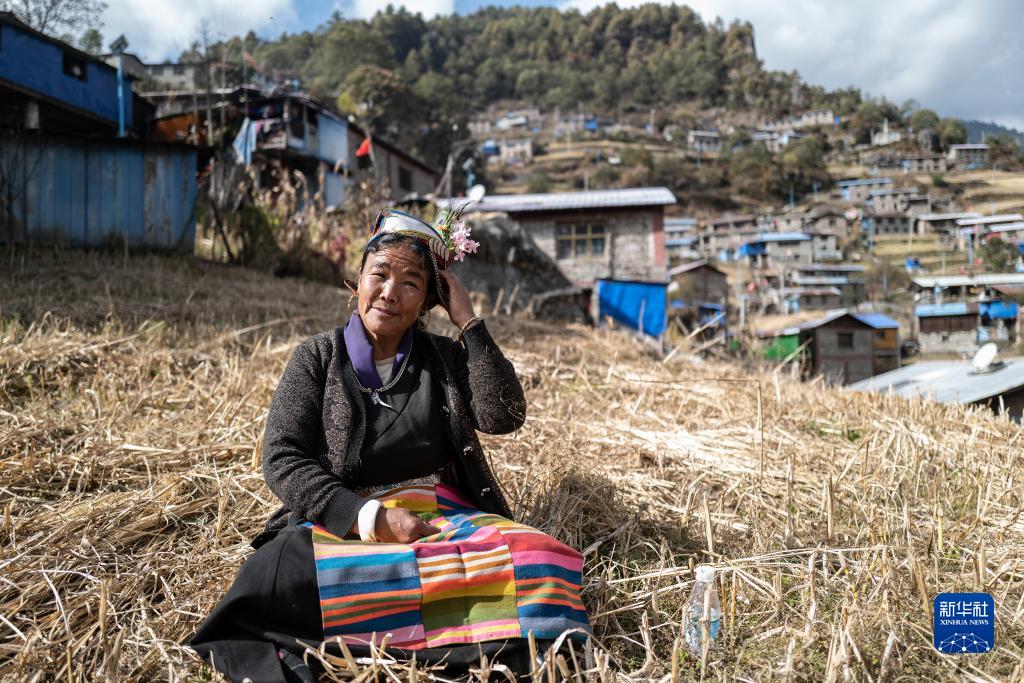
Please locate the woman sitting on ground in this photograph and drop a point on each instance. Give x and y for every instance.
(394, 528)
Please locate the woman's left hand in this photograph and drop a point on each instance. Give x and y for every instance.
(460, 306)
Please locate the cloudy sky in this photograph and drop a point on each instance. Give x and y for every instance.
(959, 57)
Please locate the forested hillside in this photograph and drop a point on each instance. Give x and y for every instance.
(420, 76)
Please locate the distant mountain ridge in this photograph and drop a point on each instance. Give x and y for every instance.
(978, 130)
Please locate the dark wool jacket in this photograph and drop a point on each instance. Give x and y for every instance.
(317, 424)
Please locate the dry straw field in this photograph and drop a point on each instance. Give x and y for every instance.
(133, 393)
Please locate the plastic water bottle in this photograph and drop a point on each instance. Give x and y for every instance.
(705, 585)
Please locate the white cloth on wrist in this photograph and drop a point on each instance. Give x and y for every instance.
(367, 520)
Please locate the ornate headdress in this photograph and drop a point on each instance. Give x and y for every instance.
(448, 239)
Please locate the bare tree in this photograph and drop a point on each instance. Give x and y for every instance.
(57, 17)
(19, 157)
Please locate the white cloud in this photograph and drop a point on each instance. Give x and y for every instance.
(162, 29)
(364, 9)
(959, 58)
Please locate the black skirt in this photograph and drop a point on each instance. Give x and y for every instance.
(260, 629)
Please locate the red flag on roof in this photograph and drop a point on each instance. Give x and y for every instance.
(251, 61)
(364, 149)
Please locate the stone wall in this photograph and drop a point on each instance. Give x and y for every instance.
(948, 342)
(507, 261)
(630, 250)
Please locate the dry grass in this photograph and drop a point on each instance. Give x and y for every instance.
(132, 399)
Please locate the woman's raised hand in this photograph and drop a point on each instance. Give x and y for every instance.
(460, 306)
(398, 525)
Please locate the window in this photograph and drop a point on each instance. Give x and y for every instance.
(179, 69)
(844, 340)
(74, 66)
(404, 179)
(579, 240)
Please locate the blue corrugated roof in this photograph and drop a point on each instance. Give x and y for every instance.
(878, 321)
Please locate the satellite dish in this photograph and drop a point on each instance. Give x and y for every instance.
(983, 358)
(476, 193)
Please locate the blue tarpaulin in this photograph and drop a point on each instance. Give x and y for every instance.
(753, 249)
(998, 310)
(624, 302)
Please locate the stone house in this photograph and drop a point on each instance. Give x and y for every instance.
(947, 327)
(890, 223)
(848, 279)
(727, 233)
(516, 150)
(778, 249)
(942, 224)
(596, 234)
(811, 298)
(857, 190)
(704, 141)
(924, 163)
(968, 156)
(891, 200)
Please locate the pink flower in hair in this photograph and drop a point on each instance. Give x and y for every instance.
(463, 245)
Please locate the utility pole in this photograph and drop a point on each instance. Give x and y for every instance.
(118, 47)
(209, 82)
(223, 83)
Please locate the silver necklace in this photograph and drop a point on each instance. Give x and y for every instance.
(375, 393)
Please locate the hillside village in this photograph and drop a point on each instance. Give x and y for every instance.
(844, 245)
(758, 324)
(909, 254)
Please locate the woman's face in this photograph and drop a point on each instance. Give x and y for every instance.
(392, 290)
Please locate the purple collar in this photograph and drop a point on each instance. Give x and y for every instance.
(360, 352)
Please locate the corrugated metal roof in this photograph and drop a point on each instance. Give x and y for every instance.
(811, 291)
(567, 201)
(879, 321)
(987, 279)
(687, 267)
(820, 280)
(1008, 227)
(783, 237)
(894, 190)
(837, 267)
(685, 222)
(997, 218)
(863, 181)
(948, 216)
(829, 317)
(937, 310)
(976, 145)
(948, 381)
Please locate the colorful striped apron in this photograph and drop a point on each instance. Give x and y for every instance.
(481, 577)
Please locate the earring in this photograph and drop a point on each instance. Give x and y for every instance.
(351, 308)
